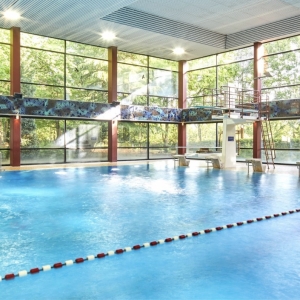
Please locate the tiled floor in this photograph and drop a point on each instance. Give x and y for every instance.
(279, 169)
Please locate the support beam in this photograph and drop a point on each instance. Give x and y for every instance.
(15, 61)
(112, 74)
(258, 72)
(182, 89)
(112, 140)
(15, 87)
(15, 142)
(112, 96)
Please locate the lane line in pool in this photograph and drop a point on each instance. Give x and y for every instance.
(137, 247)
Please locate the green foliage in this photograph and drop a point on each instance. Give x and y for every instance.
(86, 50)
(200, 81)
(132, 58)
(87, 73)
(204, 62)
(132, 134)
(4, 62)
(163, 64)
(235, 55)
(42, 42)
(4, 36)
(4, 88)
(163, 83)
(28, 133)
(132, 79)
(4, 132)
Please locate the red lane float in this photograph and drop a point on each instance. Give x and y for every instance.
(100, 255)
(9, 276)
(145, 245)
(34, 271)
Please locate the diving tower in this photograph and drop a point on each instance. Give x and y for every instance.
(236, 107)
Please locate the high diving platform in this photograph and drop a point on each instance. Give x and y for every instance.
(236, 107)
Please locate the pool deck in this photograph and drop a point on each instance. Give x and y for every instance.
(241, 166)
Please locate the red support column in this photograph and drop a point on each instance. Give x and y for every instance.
(112, 140)
(15, 142)
(112, 96)
(182, 88)
(15, 61)
(15, 87)
(112, 74)
(258, 71)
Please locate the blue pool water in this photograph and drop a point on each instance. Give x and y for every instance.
(51, 216)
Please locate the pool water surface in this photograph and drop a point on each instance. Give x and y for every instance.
(51, 216)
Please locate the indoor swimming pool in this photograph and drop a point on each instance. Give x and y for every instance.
(50, 217)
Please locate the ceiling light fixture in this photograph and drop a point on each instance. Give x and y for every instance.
(108, 36)
(178, 51)
(11, 15)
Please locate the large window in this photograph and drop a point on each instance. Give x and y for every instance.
(282, 61)
(286, 135)
(49, 71)
(203, 135)
(146, 140)
(210, 135)
(162, 140)
(147, 81)
(60, 141)
(132, 140)
(4, 62)
(87, 73)
(209, 74)
(4, 140)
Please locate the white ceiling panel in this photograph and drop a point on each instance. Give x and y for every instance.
(155, 27)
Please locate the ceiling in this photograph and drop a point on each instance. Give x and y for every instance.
(156, 27)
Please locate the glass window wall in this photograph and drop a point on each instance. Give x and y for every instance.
(4, 62)
(286, 135)
(86, 141)
(163, 83)
(282, 60)
(60, 141)
(163, 139)
(48, 72)
(204, 62)
(4, 140)
(132, 140)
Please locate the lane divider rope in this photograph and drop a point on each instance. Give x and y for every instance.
(137, 247)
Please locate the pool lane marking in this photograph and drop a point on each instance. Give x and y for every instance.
(137, 247)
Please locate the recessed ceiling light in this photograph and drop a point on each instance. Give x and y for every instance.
(11, 15)
(178, 51)
(108, 35)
